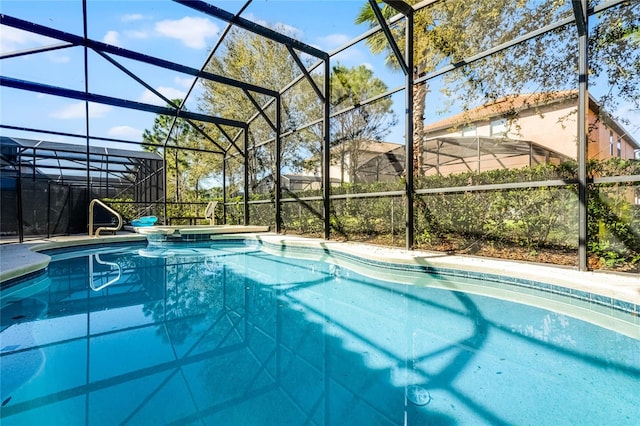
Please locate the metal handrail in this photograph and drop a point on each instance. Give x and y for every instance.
(102, 228)
(210, 212)
(96, 257)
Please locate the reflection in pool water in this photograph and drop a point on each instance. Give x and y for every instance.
(232, 335)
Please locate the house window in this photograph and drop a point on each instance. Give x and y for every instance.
(611, 144)
(619, 148)
(469, 131)
(498, 127)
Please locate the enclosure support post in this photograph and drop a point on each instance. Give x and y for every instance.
(177, 176)
(409, 142)
(437, 158)
(86, 102)
(406, 63)
(246, 176)
(326, 153)
(224, 189)
(277, 182)
(19, 196)
(34, 166)
(106, 179)
(159, 193)
(48, 209)
(166, 181)
(479, 167)
(580, 11)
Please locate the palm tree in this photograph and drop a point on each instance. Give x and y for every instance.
(378, 44)
(447, 32)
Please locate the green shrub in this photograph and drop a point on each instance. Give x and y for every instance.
(529, 217)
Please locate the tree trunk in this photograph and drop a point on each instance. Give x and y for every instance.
(419, 101)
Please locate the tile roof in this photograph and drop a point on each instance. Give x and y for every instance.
(502, 107)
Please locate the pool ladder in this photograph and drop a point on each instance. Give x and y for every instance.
(102, 275)
(102, 228)
(210, 212)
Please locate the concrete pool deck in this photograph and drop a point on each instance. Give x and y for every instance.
(17, 260)
(625, 287)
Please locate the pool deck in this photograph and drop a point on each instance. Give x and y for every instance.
(625, 287)
(21, 259)
(17, 259)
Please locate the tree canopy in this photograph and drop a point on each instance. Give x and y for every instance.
(187, 169)
(448, 32)
(354, 130)
(254, 59)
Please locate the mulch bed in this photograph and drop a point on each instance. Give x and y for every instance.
(499, 250)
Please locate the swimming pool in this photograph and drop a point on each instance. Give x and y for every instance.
(230, 333)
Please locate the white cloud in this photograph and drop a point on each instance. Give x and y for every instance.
(136, 34)
(126, 132)
(148, 97)
(278, 26)
(58, 58)
(183, 81)
(193, 32)
(132, 17)
(253, 18)
(77, 110)
(288, 30)
(333, 41)
(12, 39)
(351, 57)
(112, 37)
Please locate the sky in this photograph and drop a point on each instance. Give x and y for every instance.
(169, 31)
(162, 29)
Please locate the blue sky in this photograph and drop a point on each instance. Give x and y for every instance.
(162, 29)
(169, 31)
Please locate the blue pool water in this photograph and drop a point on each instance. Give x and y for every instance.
(232, 335)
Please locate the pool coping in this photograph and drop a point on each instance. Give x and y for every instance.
(187, 230)
(615, 290)
(620, 291)
(20, 259)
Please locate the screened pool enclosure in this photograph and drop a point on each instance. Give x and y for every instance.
(493, 128)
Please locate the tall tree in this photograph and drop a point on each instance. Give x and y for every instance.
(257, 60)
(186, 170)
(447, 32)
(354, 130)
(614, 47)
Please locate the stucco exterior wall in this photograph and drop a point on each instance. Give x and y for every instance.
(555, 127)
(603, 141)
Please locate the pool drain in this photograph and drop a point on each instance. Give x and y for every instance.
(418, 395)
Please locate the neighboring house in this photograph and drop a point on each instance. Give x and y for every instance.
(383, 161)
(292, 182)
(521, 130)
(512, 132)
(607, 137)
(375, 161)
